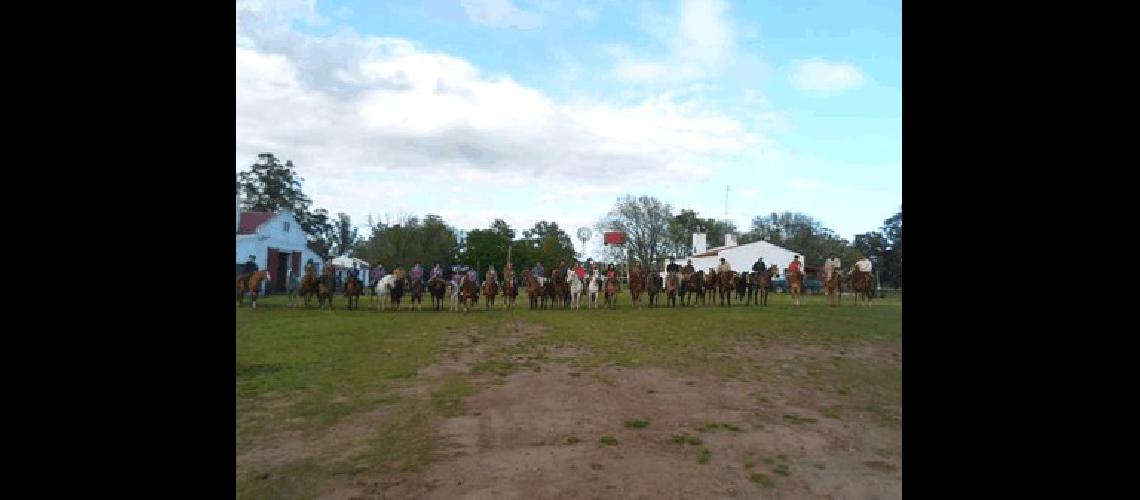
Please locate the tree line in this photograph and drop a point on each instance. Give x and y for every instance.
(653, 232)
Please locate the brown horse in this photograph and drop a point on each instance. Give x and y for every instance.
(796, 286)
(761, 281)
(309, 285)
(671, 291)
(724, 288)
(743, 285)
(417, 293)
(636, 285)
(252, 284)
(533, 289)
(490, 289)
(548, 293)
(693, 289)
(325, 289)
(559, 289)
(613, 287)
(468, 294)
(834, 288)
(710, 287)
(510, 292)
(861, 284)
(353, 289)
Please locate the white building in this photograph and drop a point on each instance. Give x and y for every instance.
(739, 257)
(277, 242)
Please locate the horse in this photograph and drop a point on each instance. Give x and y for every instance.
(593, 284)
(709, 284)
(548, 292)
(353, 289)
(834, 289)
(671, 291)
(861, 284)
(653, 289)
(436, 288)
(533, 289)
(325, 289)
(576, 287)
(417, 290)
(309, 285)
(636, 285)
(453, 294)
(490, 289)
(693, 289)
(252, 284)
(468, 293)
(796, 286)
(612, 289)
(561, 287)
(510, 292)
(742, 286)
(760, 282)
(724, 286)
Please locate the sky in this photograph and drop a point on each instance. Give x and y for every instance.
(551, 109)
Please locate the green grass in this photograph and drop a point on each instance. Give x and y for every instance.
(636, 424)
(761, 479)
(703, 456)
(608, 440)
(307, 370)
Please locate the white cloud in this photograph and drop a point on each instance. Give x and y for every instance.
(500, 14)
(378, 124)
(821, 77)
(802, 184)
(699, 39)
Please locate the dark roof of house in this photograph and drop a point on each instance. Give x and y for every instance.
(250, 221)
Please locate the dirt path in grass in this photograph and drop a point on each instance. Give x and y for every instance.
(800, 431)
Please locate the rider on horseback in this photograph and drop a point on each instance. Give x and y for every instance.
(794, 266)
(537, 271)
(830, 265)
(377, 274)
(417, 272)
(436, 272)
(724, 267)
(492, 275)
(249, 268)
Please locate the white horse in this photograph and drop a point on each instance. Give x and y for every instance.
(593, 285)
(383, 288)
(575, 288)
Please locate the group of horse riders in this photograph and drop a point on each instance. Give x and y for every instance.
(673, 270)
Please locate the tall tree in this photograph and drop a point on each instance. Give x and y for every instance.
(345, 237)
(679, 241)
(549, 243)
(645, 222)
(409, 240)
(270, 186)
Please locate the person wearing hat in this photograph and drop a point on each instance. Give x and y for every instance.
(377, 274)
(830, 265)
(250, 267)
(724, 266)
(673, 268)
(538, 271)
(863, 264)
(759, 265)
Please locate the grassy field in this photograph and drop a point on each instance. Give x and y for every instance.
(324, 397)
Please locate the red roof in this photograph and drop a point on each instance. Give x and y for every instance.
(250, 221)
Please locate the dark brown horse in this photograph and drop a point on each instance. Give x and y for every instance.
(353, 289)
(742, 285)
(636, 285)
(709, 284)
(548, 292)
(436, 288)
(251, 284)
(533, 289)
(761, 281)
(653, 288)
(560, 289)
(861, 285)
